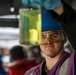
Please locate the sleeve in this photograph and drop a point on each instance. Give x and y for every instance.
(68, 22)
(9, 72)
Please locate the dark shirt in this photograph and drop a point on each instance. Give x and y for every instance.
(43, 69)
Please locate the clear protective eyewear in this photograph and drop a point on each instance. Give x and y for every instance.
(51, 36)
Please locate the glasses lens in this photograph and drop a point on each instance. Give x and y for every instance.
(51, 37)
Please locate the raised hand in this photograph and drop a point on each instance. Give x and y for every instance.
(47, 4)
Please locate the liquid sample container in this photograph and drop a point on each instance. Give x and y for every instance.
(30, 26)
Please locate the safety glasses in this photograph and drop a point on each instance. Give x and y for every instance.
(51, 37)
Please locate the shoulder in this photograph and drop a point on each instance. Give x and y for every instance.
(72, 54)
(33, 70)
(71, 59)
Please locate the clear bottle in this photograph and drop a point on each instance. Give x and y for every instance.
(30, 26)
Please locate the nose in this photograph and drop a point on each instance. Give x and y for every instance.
(48, 40)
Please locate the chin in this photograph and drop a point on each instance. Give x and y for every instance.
(50, 55)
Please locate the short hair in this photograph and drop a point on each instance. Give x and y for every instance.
(17, 53)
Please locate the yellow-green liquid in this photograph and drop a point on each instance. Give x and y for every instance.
(30, 27)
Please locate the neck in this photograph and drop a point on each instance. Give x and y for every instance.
(52, 61)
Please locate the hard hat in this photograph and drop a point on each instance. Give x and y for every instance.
(48, 23)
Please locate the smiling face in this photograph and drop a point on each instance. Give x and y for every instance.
(51, 42)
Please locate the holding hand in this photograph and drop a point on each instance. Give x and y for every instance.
(47, 4)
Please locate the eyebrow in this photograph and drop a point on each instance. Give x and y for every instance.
(51, 33)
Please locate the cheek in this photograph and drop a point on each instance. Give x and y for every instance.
(58, 45)
(42, 47)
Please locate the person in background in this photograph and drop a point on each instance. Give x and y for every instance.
(34, 53)
(57, 60)
(19, 63)
(2, 70)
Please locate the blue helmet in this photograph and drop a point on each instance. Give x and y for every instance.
(48, 23)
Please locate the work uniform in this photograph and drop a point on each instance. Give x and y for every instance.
(64, 66)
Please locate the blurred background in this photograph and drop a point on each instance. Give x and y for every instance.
(9, 27)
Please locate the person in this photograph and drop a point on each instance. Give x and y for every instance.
(66, 15)
(19, 62)
(57, 60)
(2, 70)
(35, 54)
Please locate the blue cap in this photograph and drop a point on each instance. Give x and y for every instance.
(48, 23)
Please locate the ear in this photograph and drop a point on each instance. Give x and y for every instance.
(64, 39)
